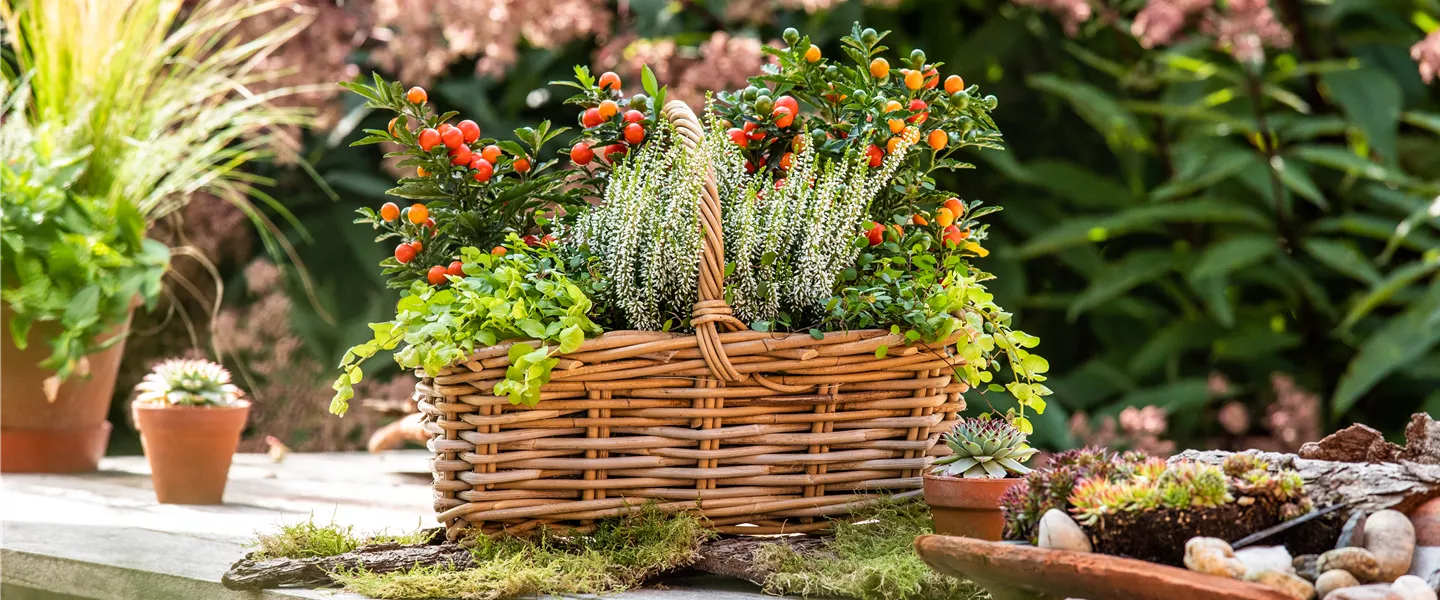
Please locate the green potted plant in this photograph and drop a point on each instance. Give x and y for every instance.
(987, 457)
(190, 417)
(98, 144)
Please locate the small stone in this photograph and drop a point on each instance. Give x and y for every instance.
(1391, 538)
(1426, 519)
(1427, 565)
(1332, 580)
(1410, 587)
(1305, 566)
(1290, 585)
(1212, 556)
(1374, 591)
(1060, 532)
(1358, 561)
(1265, 558)
(1353, 532)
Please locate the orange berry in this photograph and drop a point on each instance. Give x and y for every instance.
(436, 275)
(491, 153)
(788, 102)
(391, 127)
(783, 116)
(418, 213)
(896, 125)
(389, 212)
(914, 80)
(954, 83)
(893, 106)
(812, 54)
(428, 138)
(608, 109)
(634, 133)
(591, 118)
(609, 80)
(955, 206)
(417, 246)
(521, 165)
(581, 154)
(786, 160)
(919, 219)
(421, 172)
(944, 217)
(470, 130)
(499, 251)
(875, 155)
(417, 95)
(892, 145)
(452, 138)
(879, 68)
(484, 169)
(937, 139)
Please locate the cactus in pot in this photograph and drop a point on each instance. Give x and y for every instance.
(989, 448)
(190, 417)
(963, 489)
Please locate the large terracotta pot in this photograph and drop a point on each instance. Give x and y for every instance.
(65, 436)
(189, 449)
(968, 507)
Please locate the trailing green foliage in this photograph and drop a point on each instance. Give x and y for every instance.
(619, 555)
(520, 294)
(872, 558)
(307, 539)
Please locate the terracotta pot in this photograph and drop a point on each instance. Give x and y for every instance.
(64, 436)
(189, 449)
(968, 507)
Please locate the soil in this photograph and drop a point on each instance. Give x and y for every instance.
(1160, 535)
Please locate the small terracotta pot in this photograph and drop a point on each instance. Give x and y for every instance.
(189, 449)
(966, 506)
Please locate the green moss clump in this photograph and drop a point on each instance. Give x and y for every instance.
(620, 555)
(872, 558)
(310, 540)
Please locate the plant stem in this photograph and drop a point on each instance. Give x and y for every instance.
(1267, 145)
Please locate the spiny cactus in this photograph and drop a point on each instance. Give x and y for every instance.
(187, 382)
(987, 448)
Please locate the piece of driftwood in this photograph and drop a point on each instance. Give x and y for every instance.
(1018, 572)
(1362, 486)
(248, 574)
(725, 556)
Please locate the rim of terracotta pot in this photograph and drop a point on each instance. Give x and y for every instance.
(984, 492)
(190, 414)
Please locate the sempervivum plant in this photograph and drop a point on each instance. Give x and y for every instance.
(989, 448)
(188, 382)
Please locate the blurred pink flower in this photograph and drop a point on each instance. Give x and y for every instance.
(1218, 385)
(1161, 21)
(1294, 418)
(1072, 13)
(1139, 428)
(721, 62)
(1427, 53)
(1234, 418)
(1246, 28)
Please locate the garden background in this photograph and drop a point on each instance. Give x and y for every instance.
(1221, 219)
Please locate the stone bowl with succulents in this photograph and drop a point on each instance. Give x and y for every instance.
(963, 489)
(190, 417)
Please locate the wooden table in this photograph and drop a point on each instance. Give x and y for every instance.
(103, 536)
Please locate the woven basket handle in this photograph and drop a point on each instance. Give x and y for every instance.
(711, 311)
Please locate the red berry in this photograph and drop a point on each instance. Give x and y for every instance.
(738, 136)
(429, 223)
(788, 102)
(932, 78)
(783, 116)
(404, 253)
(581, 154)
(786, 159)
(634, 133)
(417, 95)
(591, 118)
(875, 155)
(614, 151)
(389, 212)
(521, 165)
(452, 138)
(609, 80)
(483, 170)
(531, 240)
(436, 275)
(547, 239)
(470, 130)
(456, 268)
(417, 246)
(953, 236)
(750, 126)
(876, 235)
(429, 138)
(750, 167)
(634, 116)
(491, 153)
(919, 117)
(461, 155)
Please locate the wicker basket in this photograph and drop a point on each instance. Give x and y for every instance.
(762, 433)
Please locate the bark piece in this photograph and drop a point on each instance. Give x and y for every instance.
(1422, 440)
(247, 574)
(1368, 487)
(736, 556)
(1356, 443)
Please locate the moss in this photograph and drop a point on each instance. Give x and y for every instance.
(308, 539)
(620, 555)
(871, 559)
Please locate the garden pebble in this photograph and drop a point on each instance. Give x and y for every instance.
(1358, 561)
(1391, 538)
(1290, 585)
(1304, 566)
(1334, 579)
(1410, 587)
(1060, 532)
(1212, 556)
(1266, 558)
(1353, 532)
(1426, 565)
(1374, 591)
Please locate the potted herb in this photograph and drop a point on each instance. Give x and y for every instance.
(190, 417)
(964, 489)
(97, 146)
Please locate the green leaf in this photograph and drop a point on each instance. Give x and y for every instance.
(1342, 257)
(1169, 342)
(1233, 254)
(1298, 180)
(1120, 128)
(1137, 268)
(1401, 340)
(1082, 230)
(570, 339)
(881, 351)
(647, 81)
(1397, 280)
(1345, 160)
(1370, 99)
